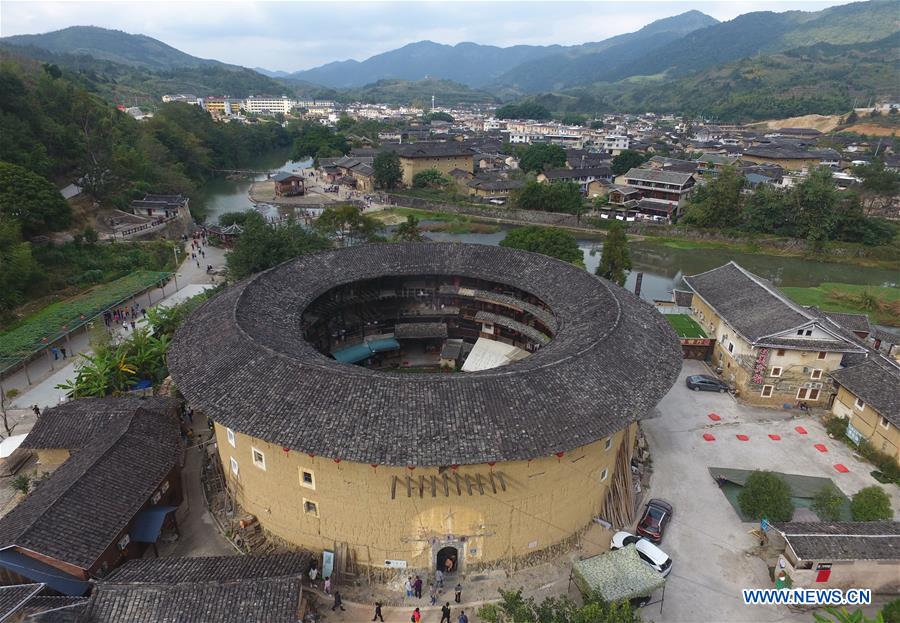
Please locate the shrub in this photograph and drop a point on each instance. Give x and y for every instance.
(766, 495)
(891, 612)
(21, 483)
(885, 463)
(827, 503)
(836, 426)
(871, 504)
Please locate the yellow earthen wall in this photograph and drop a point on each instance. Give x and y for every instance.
(411, 166)
(868, 422)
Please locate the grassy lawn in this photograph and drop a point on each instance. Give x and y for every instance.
(882, 304)
(685, 326)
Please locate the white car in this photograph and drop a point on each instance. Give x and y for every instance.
(648, 552)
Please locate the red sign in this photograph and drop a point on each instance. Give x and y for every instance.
(694, 341)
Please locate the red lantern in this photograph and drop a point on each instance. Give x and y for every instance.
(410, 467)
(374, 465)
(337, 460)
(311, 455)
(491, 464)
(560, 455)
(286, 450)
(454, 467)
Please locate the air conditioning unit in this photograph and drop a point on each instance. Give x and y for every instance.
(123, 542)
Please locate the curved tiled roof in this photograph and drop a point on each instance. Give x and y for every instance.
(242, 359)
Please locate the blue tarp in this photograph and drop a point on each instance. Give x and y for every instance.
(148, 524)
(360, 352)
(38, 571)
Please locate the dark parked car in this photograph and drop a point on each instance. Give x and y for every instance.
(657, 514)
(706, 383)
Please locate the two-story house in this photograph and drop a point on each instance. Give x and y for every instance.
(773, 350)
(868, 394)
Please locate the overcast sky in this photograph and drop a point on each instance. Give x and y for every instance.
(299, 35)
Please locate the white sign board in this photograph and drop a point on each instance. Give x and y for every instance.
(395, 564)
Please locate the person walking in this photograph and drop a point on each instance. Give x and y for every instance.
(55, 352)
(338, 602)
(63, 351)
(432, 592)
(37, 411)
(462, 617)
(458, 591)
(439, 578)
(445, 612)
(313, 571)
(409, 587)
(378, 612)
(417, 585)
(328, 585)
(416, 616)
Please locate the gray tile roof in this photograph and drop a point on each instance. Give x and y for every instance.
(877, 383)
(450, 149)
(76, 423)
(241, 359)
(13, 598)
(830, 346)
(655, 175)
(413, 330)
(224, 589)
(84, 505)
(850, 540)
(850, 322)
(755, 308)
(515, 325)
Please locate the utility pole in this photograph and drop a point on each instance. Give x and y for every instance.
(175, 272)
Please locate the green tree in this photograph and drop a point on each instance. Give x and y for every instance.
(408, 231)
(438, 116)
(596, 124)
(766, 210)
(815, 200)
(514, 608)
(871, 504)
(263, 246)
(766, 494)
(315, 140)
(627, 160)
(388, 173)
(525, 110)
(717, 203)
(842, 615)
(431, 178)
(233, 218)
(828, 503)
(32, 201)
(549, 241)
(347, 225)
(852, 117)
(18, 269)
(542, 157)
(553, 197)
(615, 260)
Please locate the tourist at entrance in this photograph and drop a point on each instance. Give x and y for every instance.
(417, 585)
(378, 612)
(462, 617)
(458, 591)
(445, 612)
(432, 592)
(448, 565)
(409, 587)
(439, 578)
(416, 616)
(328, 585)
(338, 602)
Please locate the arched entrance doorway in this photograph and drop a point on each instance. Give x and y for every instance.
(448, 559)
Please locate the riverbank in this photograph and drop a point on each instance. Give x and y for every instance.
(881, 304)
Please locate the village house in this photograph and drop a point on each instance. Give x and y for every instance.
(356, 172)
(288, 184)
(868, 395)
(864, 554)
(444, 157)
(161, 206)
(662, 193)
(791, 158)
(493, 188)
(770, 349)
(711, 163)
(106, 503)
(582, 177)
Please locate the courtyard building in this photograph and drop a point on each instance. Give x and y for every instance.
(443, 157)
(340, 421)
(770, 349)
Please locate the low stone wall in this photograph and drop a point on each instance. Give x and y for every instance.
(529, 217)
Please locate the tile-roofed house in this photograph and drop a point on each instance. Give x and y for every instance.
(420, 330)
(868, 395)
(710, 163)
(75, 524)
(13, 599)
(790, 156)
(856, 323)
(841, 554)
(771, 348)
(665, 191)
(161, 206)
(54, 609)
(422, 156)
(224, 589)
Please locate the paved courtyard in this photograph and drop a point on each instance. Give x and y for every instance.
(707, 541)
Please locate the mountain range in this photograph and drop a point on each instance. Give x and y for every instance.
(680, 54)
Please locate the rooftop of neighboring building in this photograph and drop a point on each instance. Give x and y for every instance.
(877, 383)
(839, 541)
(657, 176)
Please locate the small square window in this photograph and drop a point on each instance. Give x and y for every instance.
(234, 466)
(813, 394)
(816, 374)
(884, 423)
(860, 404)
(767, 391)
(822, 354)
(604, 474)
(259, 459)
(808, 332)
(801, 393)
(781, 352)
(608, 443)
(310, 507)
(230, 434)
(307, 478)
(730, 347)
(800, 332)
(776, 371)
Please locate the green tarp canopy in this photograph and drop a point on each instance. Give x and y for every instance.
(617, 575)
(360, 352)
(800, 486)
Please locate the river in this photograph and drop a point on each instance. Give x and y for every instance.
(662, 266)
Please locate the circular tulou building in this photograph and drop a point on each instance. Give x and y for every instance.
(414, 404)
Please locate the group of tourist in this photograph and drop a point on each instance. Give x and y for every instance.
(126, 314)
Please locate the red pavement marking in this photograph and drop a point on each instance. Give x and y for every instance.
(800, 430)
(714, 417)
(709, 437)
(775, 437)
(820, 447)
(743, 437)
(841, 468)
